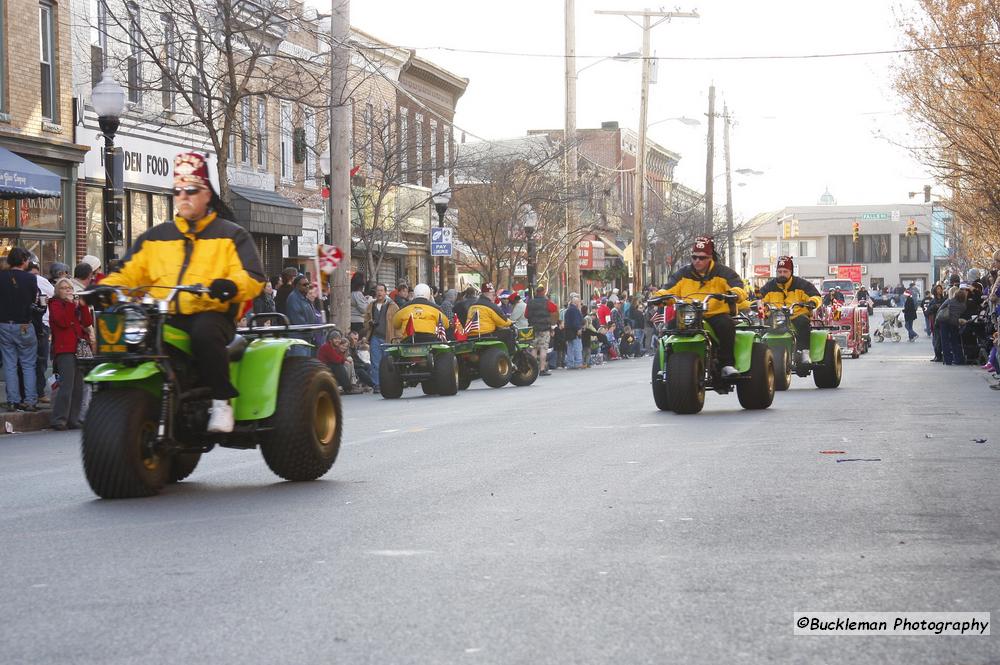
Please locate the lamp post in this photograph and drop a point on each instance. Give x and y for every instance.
(530, 224)
(108, 100)
(441, 195)
(324, 166)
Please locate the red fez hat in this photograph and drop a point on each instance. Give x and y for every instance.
(786, 263)
(704, 244)
(191, 168)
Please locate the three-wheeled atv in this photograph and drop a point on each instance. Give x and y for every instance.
(824, 353)
(431, 364)
(685, 363)
(146, 425)
(490, 359)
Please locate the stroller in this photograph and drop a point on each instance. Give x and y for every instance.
(889, 329)
(977, 339)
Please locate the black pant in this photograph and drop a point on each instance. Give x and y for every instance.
(210, 333)
(802, 329)
(725, 331)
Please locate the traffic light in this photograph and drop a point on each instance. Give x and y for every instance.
(786, 230)
(857, 231)
(795, 228)
(911, 228)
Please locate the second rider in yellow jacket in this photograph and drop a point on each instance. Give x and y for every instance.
(786, 290)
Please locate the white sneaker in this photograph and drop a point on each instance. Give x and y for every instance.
(222, 416)
(804, 358)
(728, 371)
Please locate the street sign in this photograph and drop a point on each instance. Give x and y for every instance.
(441, 241)
(875, 216)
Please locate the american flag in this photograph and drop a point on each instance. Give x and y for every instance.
(473, 325)
(658, 317)
(440, 331)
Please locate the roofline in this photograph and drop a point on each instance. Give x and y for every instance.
(454, 80)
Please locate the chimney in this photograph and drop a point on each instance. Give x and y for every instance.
(609, 124)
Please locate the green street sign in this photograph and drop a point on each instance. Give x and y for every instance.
(874, 216)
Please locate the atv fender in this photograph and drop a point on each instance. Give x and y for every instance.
(256, 376)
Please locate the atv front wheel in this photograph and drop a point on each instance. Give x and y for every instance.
(525, 369)
(685, 382)
(390, 380)
(494, 367)
(829, 372)
(304, 438)
(659, 385)
(182, 465)
(758, 391)
(118, 456)
(782, 367)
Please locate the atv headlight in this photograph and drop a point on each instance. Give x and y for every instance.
(136, 326)
(779, 319)
(689, 318)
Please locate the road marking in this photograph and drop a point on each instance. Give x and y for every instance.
(400, 552)
(388, 431)
(474, 650)
(651, 425)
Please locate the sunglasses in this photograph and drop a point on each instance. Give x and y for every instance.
(698, 257)
(190, 191)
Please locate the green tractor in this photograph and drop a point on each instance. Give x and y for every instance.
(146, 425)
(685, 363)
(824, 353)
(490, 359)
(431, 364)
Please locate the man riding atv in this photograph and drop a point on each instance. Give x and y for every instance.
(200, 246)
(786, 290)
(705, 276)
(425, 316)
(490, 321)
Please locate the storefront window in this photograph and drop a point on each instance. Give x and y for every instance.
(138, 214)
(161, 209)
(44, 214)
(8, 213)
(95, 220)
(47, 250)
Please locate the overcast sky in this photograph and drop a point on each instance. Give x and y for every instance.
(808, 123)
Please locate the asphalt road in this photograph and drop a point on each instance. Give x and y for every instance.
(568, 522)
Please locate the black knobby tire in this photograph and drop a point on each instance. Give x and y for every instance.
(117, 455)
(428, 387)
(525, 369)
(829, 372)
(464, 376)
(757, 392)
(495, 367)
(445, 380)
(390, 380)
(685, 382)
(182, 465)
(307, 423)
(782, 367)
(660, 396)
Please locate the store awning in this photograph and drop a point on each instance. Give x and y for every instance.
(21, 179)
(610, 246)
(261, 211)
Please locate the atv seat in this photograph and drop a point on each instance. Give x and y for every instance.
(236, 348)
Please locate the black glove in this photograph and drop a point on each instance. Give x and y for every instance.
(222, 289)
(811, 305)
(100, 297)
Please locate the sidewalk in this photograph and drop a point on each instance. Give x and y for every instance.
(20, 421)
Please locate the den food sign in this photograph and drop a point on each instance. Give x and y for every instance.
(146, 163)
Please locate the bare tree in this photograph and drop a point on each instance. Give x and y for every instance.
(951, 82)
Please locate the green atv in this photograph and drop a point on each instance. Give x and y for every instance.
(146, 425)
(781, 339)
(490, 359)
(686, 364)
(431, 364)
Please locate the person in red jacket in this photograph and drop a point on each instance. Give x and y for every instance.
(68, 319)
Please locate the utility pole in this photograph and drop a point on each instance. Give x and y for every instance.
(638, 234)
(340, 161)
(729, 187)
(570, 254)
(710, 165)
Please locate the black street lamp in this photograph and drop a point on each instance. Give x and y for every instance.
(441, 195)
(108, 100)
(530, 224)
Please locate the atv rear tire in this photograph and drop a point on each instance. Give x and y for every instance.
(525, 370)
(445, 376)
(390, 381)
(118, 458)
(758, 391)
(828, 373)
(182, 465)
(782, 367)
(494, 367)
(685, 382)
(307, 423)
(428, 387)
(659, 385)
(464, 376)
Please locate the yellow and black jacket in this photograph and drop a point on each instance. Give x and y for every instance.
(183, 252)
(425, 317)
(794, 290)
(688, 283)
(490, 316)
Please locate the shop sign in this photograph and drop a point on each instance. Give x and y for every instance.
(591, 253)
(762, 270)
(146, 163)
(851, 272)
